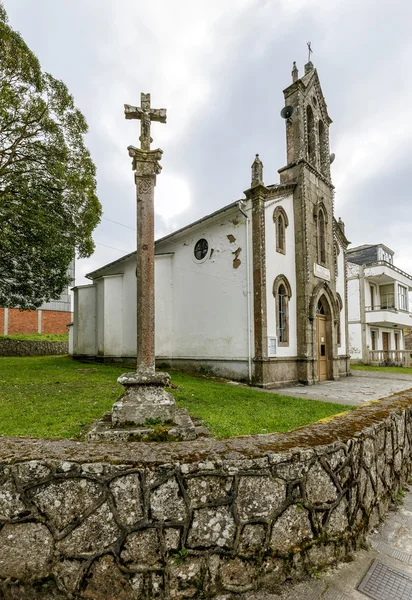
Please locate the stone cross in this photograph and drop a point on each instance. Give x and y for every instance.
(146, 114)
(146, 166)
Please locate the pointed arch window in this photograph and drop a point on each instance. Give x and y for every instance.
(311, 141)
(282, 293)
(281, 221)
(323, 154)
(321, 238)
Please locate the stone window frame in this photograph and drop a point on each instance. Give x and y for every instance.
(280, 219)
(282, 302)
(310, 136)
(321, 215)
(339, 308)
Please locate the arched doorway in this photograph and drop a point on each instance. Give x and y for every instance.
(323, 339)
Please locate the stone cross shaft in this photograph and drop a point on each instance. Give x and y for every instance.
(146, 166)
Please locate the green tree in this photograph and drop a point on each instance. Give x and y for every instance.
(48, 202)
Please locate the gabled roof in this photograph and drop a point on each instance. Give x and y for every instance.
(99, 272)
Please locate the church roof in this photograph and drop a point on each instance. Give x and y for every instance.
(100, 271)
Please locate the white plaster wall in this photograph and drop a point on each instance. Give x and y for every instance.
(164, 304)
(355, 340)
(209, 298)
(340, 288)
(281, 264)
(100, 316)
(113, 315)
(84, 320)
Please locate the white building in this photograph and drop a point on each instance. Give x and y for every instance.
(254, 291)
(378, 306)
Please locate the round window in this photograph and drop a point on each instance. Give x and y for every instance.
(201, 249)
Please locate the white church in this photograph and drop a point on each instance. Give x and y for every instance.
(255, 291)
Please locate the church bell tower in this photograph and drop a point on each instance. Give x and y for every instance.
(308, 166)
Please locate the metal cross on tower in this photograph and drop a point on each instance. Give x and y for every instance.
(146, 114)
(310, 51)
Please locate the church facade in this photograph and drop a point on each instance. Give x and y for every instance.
(255, 291)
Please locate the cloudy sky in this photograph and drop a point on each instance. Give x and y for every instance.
(219, 67)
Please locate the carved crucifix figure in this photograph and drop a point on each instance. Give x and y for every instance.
(146, 114)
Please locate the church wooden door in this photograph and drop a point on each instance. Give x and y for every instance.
(322, 347)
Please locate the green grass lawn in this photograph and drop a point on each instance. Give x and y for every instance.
(44, 396)
(400, 370)
(38, 337)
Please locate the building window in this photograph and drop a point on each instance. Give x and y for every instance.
(372, 291)
(403, 297)
(374, 339)
(282, 293)
(201, 249)
(321, 238)
(281, 221)
(311, 144)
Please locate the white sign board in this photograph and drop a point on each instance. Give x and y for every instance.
(321, 272)
(272, 343)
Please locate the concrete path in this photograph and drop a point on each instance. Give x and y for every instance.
(361, 387)
(391, 546)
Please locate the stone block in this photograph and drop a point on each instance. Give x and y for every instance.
(26, 550)
(338, 520)
(128, 499)
(97, 532)
(212, 527)
(172, 538)
(259, 497)
(273, 573)
(205, 489)
(291, 530)
(31, 472)
(11, 504)
(142, 403)
(167, 503)
(319, 487)
(237, 575)
(252, 539)
(66, 501)
(105, 581)
(186, 578)
(141, 550)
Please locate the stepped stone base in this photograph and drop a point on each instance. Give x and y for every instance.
(146, 412)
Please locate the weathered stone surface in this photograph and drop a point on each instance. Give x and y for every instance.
(95, 534)
(26, 550)
(66, 501)
(212, 527)
(319, 486)
(321, 555)
(338, 520)
(237, 575)
(252, 539)
(208, 489)
(368, 452)
(68, 574)
(167, 503)
(105, 581)
(186, 578)
(127, 495)
(290, 530)
(11, 504)
(142, 549)
(273, 574)
(143, 402)
(259, 497)
(31, 471)
(172, 538)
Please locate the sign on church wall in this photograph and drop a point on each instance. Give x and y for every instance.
(321, 272)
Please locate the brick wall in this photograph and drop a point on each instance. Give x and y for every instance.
(27, 321)
(22, 321)
(54, 321)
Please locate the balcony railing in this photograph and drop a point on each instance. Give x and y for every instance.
(387, 303)
(398, 358)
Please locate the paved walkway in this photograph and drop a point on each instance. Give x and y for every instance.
(391, 546)
(361, 387)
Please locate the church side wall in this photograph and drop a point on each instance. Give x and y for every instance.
(113, 315)
(210, 295)
(100, 316)
(281, 264)
(129, 309)
(164, 305)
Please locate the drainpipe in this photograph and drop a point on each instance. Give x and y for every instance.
(249, 336)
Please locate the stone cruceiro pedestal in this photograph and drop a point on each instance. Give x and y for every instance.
(146, 411)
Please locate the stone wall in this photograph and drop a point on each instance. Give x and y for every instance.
(32, 348)
(195, 519)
